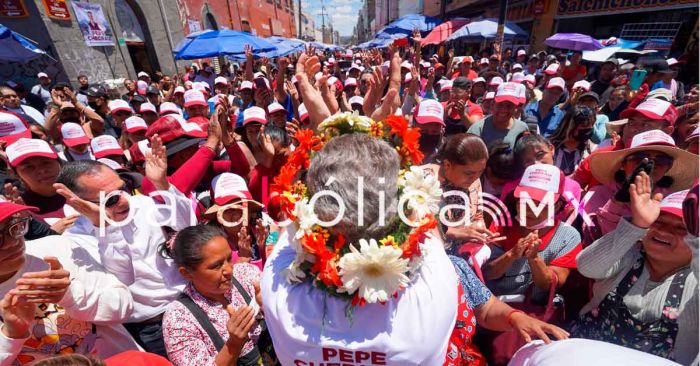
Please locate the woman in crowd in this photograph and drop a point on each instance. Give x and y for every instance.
(211, 321)
(685, 125)
(500, 169)
(571, 139)
(616, 103)
(673, 169)
(645, 295)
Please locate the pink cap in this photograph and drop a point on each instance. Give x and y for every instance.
(357, 100)
(135, 124)
(245, 84)
(516, 66)
(509, 92)
(220, 80)
(275, 107)
(227, 187)
(26, 148)
(490, 96)
(479, 80)
(105, 145)
(552, 69)
(446, 86)
(556, 83)
(141, 87)
(168, 107)
(521, 53)
(582, 84)
(529, 79)
(468, 59)
(517, 77)
(254, 115)
(303, 113)
(194, 97)
(13, 127)
(653, 137)
(540, 180)
(654, 108)
(429, 111)
(119, 105)
(673, 203)
(73, 134)
(350, 82)
(496, 81)
(179, 90)
(148, 107)
(484, 61)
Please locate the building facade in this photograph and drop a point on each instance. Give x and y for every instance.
(145, 32)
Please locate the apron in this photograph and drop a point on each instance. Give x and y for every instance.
(460, 351)
(612, 322)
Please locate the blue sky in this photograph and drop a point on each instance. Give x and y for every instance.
(342, 13)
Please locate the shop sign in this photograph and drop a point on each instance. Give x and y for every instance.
(585, 7)
(12, 9)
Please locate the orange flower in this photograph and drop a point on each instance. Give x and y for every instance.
(376, 129)
(410, 247)
(398, 124)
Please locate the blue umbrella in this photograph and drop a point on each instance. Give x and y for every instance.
(285, 46)
(486, 29)
(212, 43)
(407, 23)
(14, 47)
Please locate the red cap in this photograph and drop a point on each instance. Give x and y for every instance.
(194, 97)
(25, 148)
(105, 145)
(202, 122)
(7, 209)
(228, 186)
(540, 180)
(73, 134)
(673, 203)
(654, 108)
(174, 126)
(135, 124)
(254, 115)
(429, 111)
(13, 127)
(509, 92)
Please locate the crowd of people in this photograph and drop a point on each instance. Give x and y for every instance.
(172, 221)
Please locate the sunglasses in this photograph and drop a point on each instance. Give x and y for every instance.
(660, 161)
(15, 229)
(114, 199)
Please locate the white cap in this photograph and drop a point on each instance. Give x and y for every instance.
(169, 107)
(254, 115)
(430, 111)
(582, 84)
(653, 137)
(318, 76)
(275, 107)
(105, 145)
(142, 74)
(25, 148)
(484, 61)
(357, 100)
(13, 127)
(517, 77)
(350, 82)
(408, 77)
(245, 84)
(73, 134)
(111, 163)
(539, 180)
(303, 113)
(516, 66)
(479, 80)
(148, 107)
(226, 187)
(331, 80)
(673, 203)
(194, 97)
(521, 53)
(119, 105)
(135, 124)
(331, 60)
(406, 65)
(671, 61)
(41, 75)
(141, 87)
(552, 69)
(220, 80)
(495, 81)
(446, 85)
(556, 83)
(509, 92)
(530, 79)
(179, 89)
(490, 96)
(200, 86)
(425, 64)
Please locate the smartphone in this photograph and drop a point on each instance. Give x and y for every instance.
(637, 79)
(623, 195)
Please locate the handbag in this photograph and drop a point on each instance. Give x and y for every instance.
(505, 344)
(265, 348)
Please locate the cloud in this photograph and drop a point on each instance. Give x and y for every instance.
(341, 13)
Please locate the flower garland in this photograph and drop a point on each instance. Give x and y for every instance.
(377, 270)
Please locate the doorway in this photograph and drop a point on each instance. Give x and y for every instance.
(137, 37)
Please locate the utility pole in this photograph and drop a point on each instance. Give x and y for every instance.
(498, 45)
(299, 35)
(323, 22)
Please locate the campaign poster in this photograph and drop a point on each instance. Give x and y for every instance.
(57, 9)
(12, 9)
(93, 24)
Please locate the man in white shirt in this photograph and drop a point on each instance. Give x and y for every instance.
(12, 102)
(126, 233)
(43, 89)
(81, 313)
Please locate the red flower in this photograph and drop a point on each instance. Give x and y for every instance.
(410, 247)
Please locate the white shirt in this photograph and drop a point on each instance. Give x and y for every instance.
(29, 111)
(132, 252)
(95, 297)
(42, 92)
(308, 326)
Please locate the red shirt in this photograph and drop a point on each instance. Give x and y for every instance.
(471, 75)
(583, 174)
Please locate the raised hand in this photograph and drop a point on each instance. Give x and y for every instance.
(12, 194)
(388, 106)
(64, 223)
(86, 208)
(248, 50)
(240, 322)
(261, 232)
(245, 246)
(157, 164)
(47, 286)
(70, 95)
(645, 205)
(268, 148)
(17, 315)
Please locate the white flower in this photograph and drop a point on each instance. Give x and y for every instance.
(377, 272)
(422, 190)
(306, 218)
(353, 120)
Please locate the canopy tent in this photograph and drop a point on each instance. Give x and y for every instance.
(15, 47)
(285, 46)
(212, 43)
(440, 33)
(324, 46)
(407, 23)
(486, 29)
(573, 41)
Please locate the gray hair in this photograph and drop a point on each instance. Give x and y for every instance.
(344, 160)
(73, 170)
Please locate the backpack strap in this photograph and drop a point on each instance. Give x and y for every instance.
(202, 319)
(241, 290)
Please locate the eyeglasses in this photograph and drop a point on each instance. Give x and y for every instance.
(662, 161)
(15, 229)
(114, 199)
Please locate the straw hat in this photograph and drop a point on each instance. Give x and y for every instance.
(684, 171)
(229, 190)
(615, 126)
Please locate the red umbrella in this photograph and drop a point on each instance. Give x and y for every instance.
(444, 30)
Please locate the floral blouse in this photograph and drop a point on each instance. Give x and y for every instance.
(185, 340)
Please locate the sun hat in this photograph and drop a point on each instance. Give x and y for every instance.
(105, 145)
(13, 127)
(673, 203)
(227, 188)
(605, 164)
(72, 134)
(653, 108)
(25, 148)
(134, 124)
(195, 97)
(429, 111)
(540, 180)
